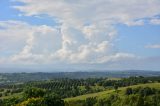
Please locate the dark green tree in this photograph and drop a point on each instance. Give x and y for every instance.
(53, 100)
(33, 92)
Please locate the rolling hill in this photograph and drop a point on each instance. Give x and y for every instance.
(104, 95)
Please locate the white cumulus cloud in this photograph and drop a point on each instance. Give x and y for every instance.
(85, 33)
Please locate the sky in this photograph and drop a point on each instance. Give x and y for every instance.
(80, 35)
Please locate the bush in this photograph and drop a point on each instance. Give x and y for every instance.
(34, 93)
(10, 101)
(33, 102)
(1, 95)
(128, 91)
(90, 101)
(1, 90)
(53, 100)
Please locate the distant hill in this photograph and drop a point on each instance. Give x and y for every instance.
(38, 76)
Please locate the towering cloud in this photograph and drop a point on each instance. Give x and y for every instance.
(84, 31)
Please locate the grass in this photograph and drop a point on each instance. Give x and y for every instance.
(112, 78)
(104, 94)
(13, 95)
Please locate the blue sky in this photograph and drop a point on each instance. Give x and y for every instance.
(59, 34)
(137, 37)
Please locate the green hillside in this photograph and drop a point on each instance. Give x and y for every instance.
(104, 95)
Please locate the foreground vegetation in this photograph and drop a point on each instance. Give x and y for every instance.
(132, 91)
(136, 95)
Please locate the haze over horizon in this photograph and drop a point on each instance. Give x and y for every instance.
(85, 35)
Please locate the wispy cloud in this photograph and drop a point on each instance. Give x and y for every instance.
(155, 21)
(154, 46)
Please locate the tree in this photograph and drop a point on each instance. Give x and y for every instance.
(116, 87)
(87, 87)
(34, 92)
(53, 100)
(90, 101)
(1, 95)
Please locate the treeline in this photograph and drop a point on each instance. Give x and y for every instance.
(10, 78)
(129, 81)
